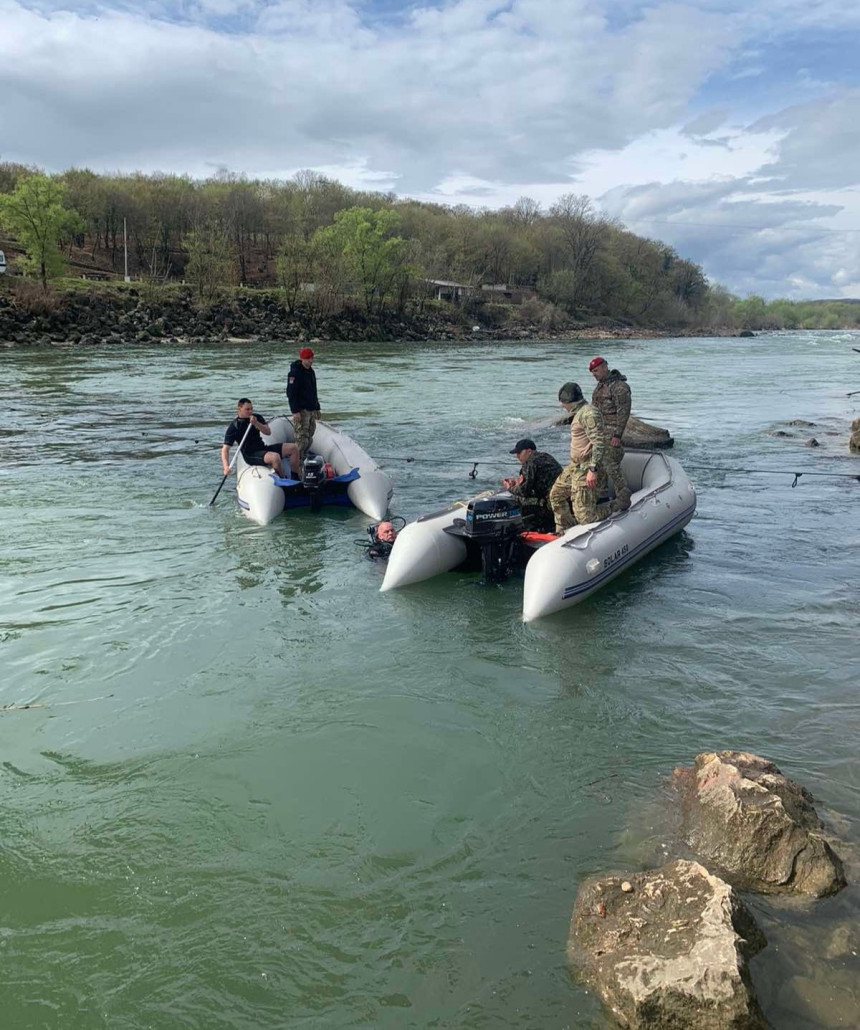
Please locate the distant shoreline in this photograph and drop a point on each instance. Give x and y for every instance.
(95, 316)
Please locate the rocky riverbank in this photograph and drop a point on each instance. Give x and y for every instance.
(145, 315)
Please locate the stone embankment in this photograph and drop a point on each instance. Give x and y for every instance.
(669, 947)
(145, 315)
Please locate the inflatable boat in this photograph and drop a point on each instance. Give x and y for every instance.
(351, 478)
(485, 532)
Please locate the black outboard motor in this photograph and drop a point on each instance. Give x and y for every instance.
(314, 479)
(495, 523)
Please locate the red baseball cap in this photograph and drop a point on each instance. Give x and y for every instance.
(592, 365)
(305, 353)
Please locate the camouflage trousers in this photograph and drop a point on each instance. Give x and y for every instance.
(612, 463)
(304, 426)
(537, 516)
(572, 502)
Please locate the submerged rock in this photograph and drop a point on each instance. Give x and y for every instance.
(854, 439)
(758, 828)
(670, 953)
(811, 442)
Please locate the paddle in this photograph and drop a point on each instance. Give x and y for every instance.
(230, 466)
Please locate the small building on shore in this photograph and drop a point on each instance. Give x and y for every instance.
(446, 289)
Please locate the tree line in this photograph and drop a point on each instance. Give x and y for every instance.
(325, 245)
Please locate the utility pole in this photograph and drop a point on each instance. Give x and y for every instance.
(125, 248)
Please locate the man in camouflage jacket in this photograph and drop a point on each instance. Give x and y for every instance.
(584, 479)
(532, 486)
(612, 399)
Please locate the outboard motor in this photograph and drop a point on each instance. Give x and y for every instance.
(314, 479)
(495, 523)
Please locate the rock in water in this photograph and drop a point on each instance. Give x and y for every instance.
(755, 826)
(854, 439)
(672, 954)
(637, 433)
(642, 434)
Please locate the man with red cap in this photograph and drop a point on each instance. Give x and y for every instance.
(304, 402)
(611, 397)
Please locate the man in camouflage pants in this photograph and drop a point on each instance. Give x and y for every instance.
(303, 399)
(612, 399)
(583, 480)
(532, 486)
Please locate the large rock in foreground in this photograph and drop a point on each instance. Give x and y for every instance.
(755, 826)
(668, 949)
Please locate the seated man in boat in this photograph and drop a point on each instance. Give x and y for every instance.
(584, 479)
(532, 486)
(254, 451)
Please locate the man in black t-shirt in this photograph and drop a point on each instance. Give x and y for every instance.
(254, 451)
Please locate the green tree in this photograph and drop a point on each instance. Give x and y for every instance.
(374, 255)
(294, 266)
(210, 260)
(36, 213)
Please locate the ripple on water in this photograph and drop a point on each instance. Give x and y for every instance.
(259, 787)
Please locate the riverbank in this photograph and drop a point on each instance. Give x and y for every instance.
(129, 315)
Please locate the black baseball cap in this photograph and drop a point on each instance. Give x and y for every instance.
(524, 445)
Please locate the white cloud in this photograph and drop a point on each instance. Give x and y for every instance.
(475, 100)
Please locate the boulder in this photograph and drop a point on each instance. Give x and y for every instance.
(637, 433)
(670, 952)
(746, 333)
(811, 442)
(756, 827)
(642, 434)
(854, 439)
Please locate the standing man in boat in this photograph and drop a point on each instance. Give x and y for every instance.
(532, 486)
(611, 397)
(304, 402)
(254, 451)
(583, 480)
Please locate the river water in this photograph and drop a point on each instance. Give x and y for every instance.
(260, 794)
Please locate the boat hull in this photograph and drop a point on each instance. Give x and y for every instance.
(262, 499)
(565, 571)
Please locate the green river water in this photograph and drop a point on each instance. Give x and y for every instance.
(260, 794)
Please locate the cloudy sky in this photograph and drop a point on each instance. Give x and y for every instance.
(728, 128)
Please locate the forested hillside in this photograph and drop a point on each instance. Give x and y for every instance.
(326, 247)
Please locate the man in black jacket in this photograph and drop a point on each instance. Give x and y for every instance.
(304, 402)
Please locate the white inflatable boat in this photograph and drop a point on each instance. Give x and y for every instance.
(563, 571)
(357, 479)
